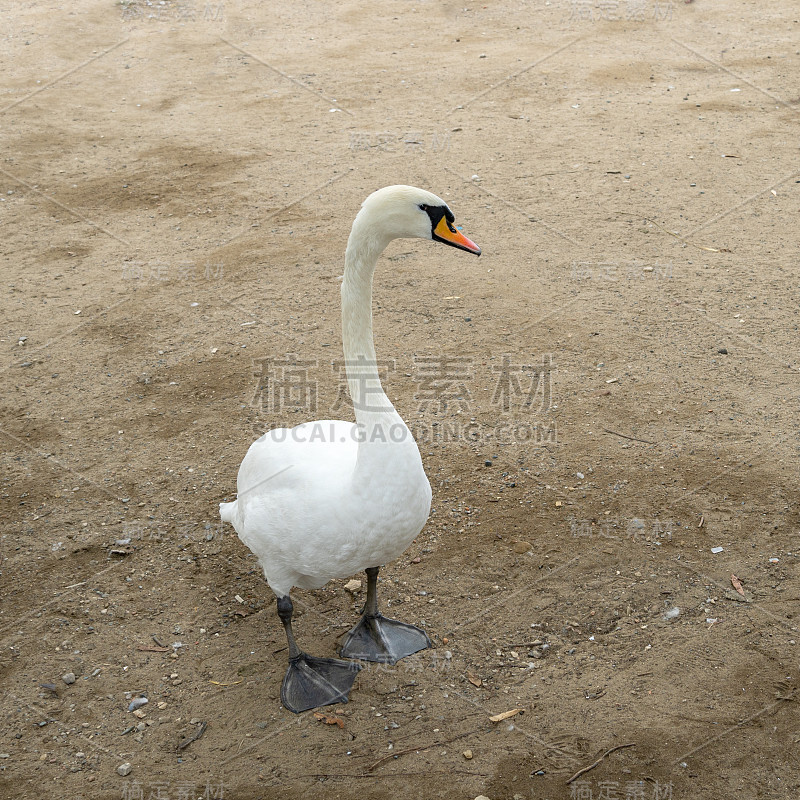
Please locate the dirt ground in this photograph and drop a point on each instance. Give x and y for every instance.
(607, 400)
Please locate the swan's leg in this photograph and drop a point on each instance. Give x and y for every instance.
(310, 681)
(377, 638)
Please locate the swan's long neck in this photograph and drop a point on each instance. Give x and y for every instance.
(370, 402)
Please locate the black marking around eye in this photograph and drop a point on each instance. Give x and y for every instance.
(436, 213)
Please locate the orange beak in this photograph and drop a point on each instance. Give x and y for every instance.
(444, 232)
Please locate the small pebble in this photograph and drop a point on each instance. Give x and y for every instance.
(522, 547)
(137, 702)
(723, 351)
(673, 613)
(68, 678)
(717, 549)
(353, 586)
(467, 754)
(124, 769)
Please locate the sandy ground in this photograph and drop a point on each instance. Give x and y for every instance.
(605, 398)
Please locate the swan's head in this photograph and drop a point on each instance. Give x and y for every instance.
(405, 212)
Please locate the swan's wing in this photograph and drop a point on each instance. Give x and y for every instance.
(290, 459)
(288, 487)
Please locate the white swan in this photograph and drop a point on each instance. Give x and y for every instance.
(327, 499)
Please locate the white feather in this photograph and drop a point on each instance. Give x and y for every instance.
(330, 498)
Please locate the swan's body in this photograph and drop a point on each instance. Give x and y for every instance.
(339, 507)
(329, 498)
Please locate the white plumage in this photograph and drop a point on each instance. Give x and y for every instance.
(312, 510)
(329, 498)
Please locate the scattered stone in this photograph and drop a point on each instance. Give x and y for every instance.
(467, 754)
(124, 769)
(137, 702)
(673, 613)
(353, 586)
(723, 351)
(522, 547)
(68, 678)
(716, 549)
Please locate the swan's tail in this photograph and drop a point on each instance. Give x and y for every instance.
(227, 511)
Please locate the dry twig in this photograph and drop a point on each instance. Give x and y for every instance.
(632, 438)
(417, 749)
(678, 236)
(594, 764)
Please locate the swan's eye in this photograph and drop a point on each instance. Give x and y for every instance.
(423, 207)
